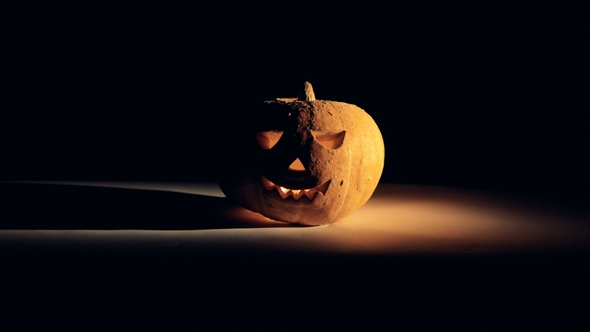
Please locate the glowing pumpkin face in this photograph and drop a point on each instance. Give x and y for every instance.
(312, 161)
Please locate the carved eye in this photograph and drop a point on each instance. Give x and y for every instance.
(268, 139)
(329, 140)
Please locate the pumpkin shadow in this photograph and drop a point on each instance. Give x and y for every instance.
(58, 206)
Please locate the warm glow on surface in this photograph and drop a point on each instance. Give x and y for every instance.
(406, 219)
(398, 219)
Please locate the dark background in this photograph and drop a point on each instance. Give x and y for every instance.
(486, 97)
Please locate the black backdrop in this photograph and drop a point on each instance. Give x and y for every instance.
(481, 97)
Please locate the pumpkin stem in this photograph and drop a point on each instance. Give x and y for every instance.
(308, 94)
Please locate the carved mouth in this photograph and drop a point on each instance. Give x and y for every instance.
(310, 193)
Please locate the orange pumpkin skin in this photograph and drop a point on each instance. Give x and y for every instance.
(341, 154)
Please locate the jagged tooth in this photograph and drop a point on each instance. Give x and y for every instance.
(284, 192)
(267, 184)
(310, 193)
(324, 187)
(296, 193)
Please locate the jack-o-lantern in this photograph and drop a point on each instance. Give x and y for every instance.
(309, 161)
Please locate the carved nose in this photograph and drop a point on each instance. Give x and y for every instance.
(297, 166)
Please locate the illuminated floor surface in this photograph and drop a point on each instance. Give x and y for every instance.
(398, 219)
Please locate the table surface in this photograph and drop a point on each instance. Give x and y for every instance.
(95, 253)
(196, 217)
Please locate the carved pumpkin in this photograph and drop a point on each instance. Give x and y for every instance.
(310, 162)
